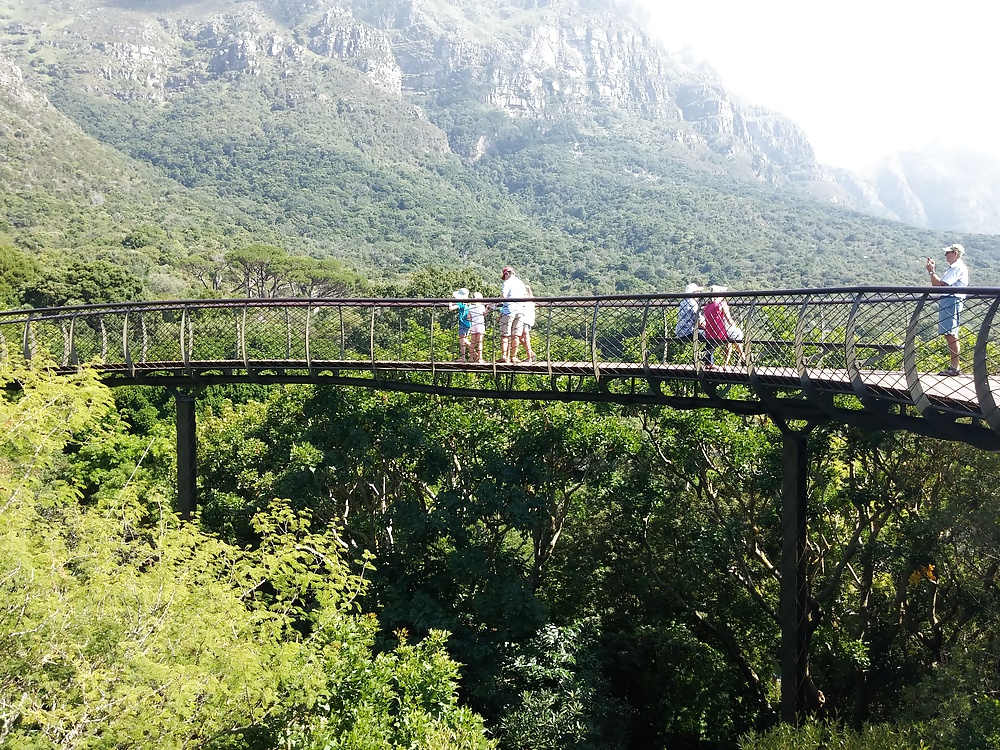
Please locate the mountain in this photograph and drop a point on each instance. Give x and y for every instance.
(942, 189)
(64, 195)
(396, 134)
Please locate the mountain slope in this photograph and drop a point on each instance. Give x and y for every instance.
(394, 135)
(63, 196)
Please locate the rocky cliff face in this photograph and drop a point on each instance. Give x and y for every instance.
(12, 86)
(528, 59)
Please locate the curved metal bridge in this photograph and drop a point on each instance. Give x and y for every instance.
(867, 356)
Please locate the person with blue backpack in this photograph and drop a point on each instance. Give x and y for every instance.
(464, 324)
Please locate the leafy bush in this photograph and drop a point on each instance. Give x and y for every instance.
(815, 735)
(557, 695)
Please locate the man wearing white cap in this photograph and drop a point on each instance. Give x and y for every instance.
(950, 305)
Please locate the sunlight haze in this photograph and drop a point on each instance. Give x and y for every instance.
(863, 79)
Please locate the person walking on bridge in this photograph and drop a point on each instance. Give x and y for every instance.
(464, 346)
(477, 323)
(950, 305)
(511, 320)
(527, 323)
(720, 326)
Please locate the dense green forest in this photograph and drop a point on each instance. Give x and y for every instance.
(377, 570)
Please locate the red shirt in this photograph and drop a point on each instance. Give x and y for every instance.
(716, 312)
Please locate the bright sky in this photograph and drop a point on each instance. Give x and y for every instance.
(863, 78)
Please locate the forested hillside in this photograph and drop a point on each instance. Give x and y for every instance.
(468, 574)
(232, 133)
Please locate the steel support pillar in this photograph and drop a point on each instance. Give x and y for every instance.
(187, 455)
(794, 595)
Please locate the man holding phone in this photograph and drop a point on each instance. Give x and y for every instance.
(950, 305)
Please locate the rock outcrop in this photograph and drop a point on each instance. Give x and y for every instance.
(535, 60)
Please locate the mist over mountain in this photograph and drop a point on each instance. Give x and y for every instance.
(942, 189)
(392, 135)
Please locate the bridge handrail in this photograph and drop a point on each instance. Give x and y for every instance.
(636, 300)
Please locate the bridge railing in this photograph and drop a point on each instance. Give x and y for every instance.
(870, 342)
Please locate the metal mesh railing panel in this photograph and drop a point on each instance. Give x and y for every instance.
(769, 333)
(99, 337)
(340, 333)
(273, 334)
(568, 328)
(822, 329)
(619, 332)
(415, 334)
(214, 335)
(878, 337)
(49, 339)
(155, 335)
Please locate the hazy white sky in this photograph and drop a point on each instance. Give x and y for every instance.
(863, 78)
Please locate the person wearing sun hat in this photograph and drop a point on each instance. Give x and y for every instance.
(950, 305)
(464, 326)
(720, 325)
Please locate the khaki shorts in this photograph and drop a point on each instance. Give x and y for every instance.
(511, 324)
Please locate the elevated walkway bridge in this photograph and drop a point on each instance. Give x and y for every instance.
(867, 356)
(864, 356)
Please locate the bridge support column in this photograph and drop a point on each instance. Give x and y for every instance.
(794, 594)
(187, 455)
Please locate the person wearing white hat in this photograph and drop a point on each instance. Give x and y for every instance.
(477, 321)
(720, 325)
(950, 305)
(464, 326)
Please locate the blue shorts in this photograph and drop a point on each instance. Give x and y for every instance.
(464, 330)
(948, 310)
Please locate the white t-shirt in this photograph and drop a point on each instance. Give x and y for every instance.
(528, 313)
(957, 275)
(513, 287)
(477, 317)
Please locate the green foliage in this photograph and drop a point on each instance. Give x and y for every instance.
(141, 236)
(436, 282)
(83, 283)
(820, 736)
(463, 531)
(17, 271)
(123, 627)
(560, 696)
(981, 729)
(402, 698)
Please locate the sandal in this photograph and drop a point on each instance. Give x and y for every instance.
(950, 372)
